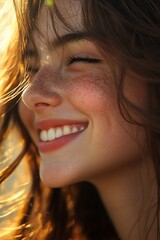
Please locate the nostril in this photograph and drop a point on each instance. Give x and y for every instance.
(38, 100)
(41, 104)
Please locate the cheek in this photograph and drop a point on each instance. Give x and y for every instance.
(92, 93)
(96, 96)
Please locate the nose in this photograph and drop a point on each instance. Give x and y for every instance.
(42, 92)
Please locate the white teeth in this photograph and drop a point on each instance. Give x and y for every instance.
(74, 130)
(82, 128)
(52, 133)
(59, 132)
(44, 136)
(66, 130)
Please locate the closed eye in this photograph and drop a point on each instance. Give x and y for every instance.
(78, 59)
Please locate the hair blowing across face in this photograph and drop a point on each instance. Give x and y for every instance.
(128, 34)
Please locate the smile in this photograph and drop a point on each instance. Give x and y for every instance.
(54, 134)
(58, 132)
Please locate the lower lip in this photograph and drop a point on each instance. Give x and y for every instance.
(57, 143)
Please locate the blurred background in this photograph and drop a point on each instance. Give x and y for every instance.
(13, 191)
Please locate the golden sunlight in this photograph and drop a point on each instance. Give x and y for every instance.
(14, 190)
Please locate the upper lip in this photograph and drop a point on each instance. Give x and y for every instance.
(52, 123)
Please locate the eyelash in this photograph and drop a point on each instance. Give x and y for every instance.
(77, 59)
(71, 60)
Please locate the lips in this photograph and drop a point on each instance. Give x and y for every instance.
(55, 133)
(49, 123)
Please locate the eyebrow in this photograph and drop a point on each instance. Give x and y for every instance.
(69, 38)
(61, 41)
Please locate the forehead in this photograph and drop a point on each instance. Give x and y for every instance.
(70, 11)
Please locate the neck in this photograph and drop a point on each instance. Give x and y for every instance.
(129, 196)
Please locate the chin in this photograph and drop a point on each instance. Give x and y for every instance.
(56, 179)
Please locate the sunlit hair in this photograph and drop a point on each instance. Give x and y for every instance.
(127, 32)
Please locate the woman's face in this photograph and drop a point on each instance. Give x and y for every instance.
(70, 108)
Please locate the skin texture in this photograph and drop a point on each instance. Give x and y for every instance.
(110, 153)
(84, 92)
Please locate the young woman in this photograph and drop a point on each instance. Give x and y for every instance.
(89, 118)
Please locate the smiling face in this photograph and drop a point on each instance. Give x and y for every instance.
(70, 108)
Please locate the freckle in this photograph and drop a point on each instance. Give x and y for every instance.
(44, 82)
(97, 81)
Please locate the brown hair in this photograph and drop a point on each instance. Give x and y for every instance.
(127, 31)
